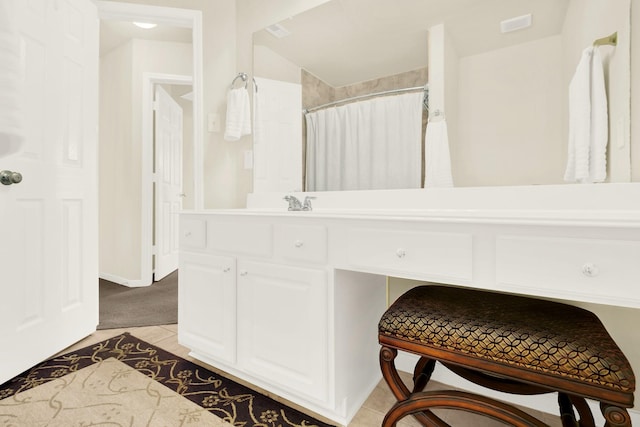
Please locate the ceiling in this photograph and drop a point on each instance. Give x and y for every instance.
(348, 41)
(116, 33)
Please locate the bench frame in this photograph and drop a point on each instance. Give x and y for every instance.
(572, 394)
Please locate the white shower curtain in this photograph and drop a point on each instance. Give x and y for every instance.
(373, 144)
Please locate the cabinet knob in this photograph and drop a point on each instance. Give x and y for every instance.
(400, 253)
(590, 270)
(298, 243)
(244, 273)
(226, 269)
(187, 233)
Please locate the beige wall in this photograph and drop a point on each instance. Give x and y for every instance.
(116, 165)
(121, 149)
(269, 65)
(510, 117)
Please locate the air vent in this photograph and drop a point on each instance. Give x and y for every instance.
(278, 31)
(514, 24)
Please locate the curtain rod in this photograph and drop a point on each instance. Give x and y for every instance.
(355, 98)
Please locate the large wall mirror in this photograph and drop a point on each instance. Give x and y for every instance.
(504, 92)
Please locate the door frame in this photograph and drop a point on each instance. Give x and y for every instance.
(149, 80)
(186, 18)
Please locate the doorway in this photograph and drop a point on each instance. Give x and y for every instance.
(127, 258)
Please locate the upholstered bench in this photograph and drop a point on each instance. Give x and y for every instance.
(508, 343)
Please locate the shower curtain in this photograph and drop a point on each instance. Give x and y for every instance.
(373, 144)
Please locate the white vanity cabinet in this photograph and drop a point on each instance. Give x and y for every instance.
(253, 302)
(282, 326)
(207, 304)
(290, 301)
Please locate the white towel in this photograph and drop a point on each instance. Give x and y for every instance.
(437, 157)
(11, 76)
(588, 121)
(238, 114)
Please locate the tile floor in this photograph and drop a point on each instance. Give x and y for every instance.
(371, 414)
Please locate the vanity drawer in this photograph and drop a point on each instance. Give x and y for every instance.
(301, 243)
(567, 267)
(435, 255)
(193, 233)
(247, 238)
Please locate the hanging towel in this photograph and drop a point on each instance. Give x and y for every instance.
(238, 114)
(437, 157)
(588, 121)
(11, 76)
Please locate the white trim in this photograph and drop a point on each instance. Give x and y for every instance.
(186, 18)
(130, 283)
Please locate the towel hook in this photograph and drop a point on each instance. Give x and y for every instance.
(242, 76)
(611, 40)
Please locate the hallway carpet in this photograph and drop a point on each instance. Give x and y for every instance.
(123, 307)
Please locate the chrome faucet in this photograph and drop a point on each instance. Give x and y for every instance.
(296, 205)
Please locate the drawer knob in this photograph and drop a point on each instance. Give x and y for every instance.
(244, 273)
(187, 233)
(590, 270)
(298, 243)
(226, 269)
(400, 253)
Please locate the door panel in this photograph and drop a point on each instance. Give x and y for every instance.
(48, 222)
(282, 326)
(168, 182)
(210, 327)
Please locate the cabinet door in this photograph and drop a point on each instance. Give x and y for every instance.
(282, 326)
(207, 305)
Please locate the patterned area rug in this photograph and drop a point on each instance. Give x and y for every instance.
(107, 393)
(229, 401)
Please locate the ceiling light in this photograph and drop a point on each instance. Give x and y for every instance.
(514, 24)
(145, 25)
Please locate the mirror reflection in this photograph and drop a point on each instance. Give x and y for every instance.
(497, 74)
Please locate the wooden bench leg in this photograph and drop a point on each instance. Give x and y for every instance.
(585, 417)
(460, 400)
(615, 416)
(400, 390)
(422, 373)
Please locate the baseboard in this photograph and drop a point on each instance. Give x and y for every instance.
(131, 283)
(544, 403)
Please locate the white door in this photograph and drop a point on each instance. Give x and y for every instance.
(277, 139)
(48, 222)
(168, 182)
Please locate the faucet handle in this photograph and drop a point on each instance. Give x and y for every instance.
(294, 203)
(306, 206)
